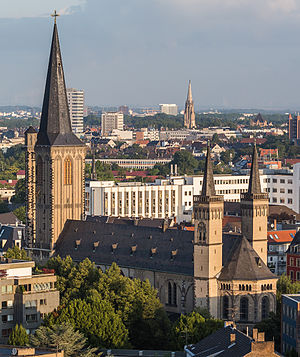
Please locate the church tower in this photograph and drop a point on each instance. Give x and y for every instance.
(254, 207)
(189, 111)
(58, 159)
(208, 215)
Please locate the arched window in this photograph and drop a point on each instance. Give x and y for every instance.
(169, 293)
(68, 172)
(265, 308)
(225, 307)
(244, 307)
(39, 171)
(174, 294)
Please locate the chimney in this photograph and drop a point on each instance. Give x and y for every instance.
(165, 225)
(275, 224)
(261, 337)
(255, 333)
(232, 337)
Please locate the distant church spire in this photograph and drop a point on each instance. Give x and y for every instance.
(208, 186)
(189, 111)
(55, 126)
(254, 182)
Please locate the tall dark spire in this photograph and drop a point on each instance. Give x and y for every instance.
(55, 126)
(254, 182)
(208, 186)
(189, 95)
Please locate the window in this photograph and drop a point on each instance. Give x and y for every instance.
(6, 332)
(274, 199)
(244, 304)
(274, 180)
(274, 189)
(169, 293)
(43, 302)
(290, 201)
(282, 181)
(265, 308)
(290, 191)
(68, 172)
(282, 190)
(298, 275)
(172, 294)
(39, 171)
(225, 307)
(292, 275)
(30, 303)
(31, 318)
(7, 304)
(290, 182)
(7, 318)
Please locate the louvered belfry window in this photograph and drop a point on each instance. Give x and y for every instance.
(68, 172)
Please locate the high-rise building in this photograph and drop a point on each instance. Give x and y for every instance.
(124, 109)
(76, 108)
(294, 127)
(54, 164)
(111, 121)
(170, 109)
(189, 111)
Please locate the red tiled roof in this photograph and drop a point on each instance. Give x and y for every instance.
(21, 172)
(281, 236)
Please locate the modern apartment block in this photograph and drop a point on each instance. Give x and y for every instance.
(25, 297)
(111, 121)
(294, 127)
(290, 323)
(170, 109)
(76, 108)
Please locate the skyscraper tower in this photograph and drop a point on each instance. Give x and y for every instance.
(57, 161)
(189, 111)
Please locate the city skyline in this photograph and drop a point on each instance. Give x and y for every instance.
(239, 55)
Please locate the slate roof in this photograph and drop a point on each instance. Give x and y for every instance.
(208, 186)
(254, 182)
(55, 125)
(8, 218)
(10, 234)
(219, 344)
(30, 130)
(244, 263)
(144, 222)
(134, 246)
(296, 241)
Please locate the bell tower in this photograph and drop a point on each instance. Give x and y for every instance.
(59, 158)
(208, 215)
(254, 207)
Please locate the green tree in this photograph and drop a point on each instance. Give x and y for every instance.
(3, 206)
(62, 337)
(18, 336)
(97, 320)
(16, 253)
(185, 161)
(193, 327)
(20, 192)
(20, 213)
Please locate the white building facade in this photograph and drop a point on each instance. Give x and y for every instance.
(170, 109)
(76, 109)
(111, 121)
(173, 196)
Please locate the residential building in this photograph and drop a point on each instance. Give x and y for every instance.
(141, 164)
(169, 109)
(11, 236)
(229, 341)
(6, 194)
(54, 164)
(189, 111)
(290, 323)
(124, 109)
(111, 121)
(25, 297)
(202, 266)
(278, 244)
(76, 109)
(294, 127)
(293, 258)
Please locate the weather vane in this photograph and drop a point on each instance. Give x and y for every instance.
(55, 14)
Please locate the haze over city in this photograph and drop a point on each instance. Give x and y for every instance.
(238, 54)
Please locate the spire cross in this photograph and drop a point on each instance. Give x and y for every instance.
(55, 14)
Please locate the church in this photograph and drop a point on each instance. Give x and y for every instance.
(207, 268)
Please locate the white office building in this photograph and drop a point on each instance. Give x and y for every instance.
(173, 196)
(170, 109)
(111, 121)
(76, 108)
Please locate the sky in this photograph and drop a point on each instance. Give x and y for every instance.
(238, 53)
